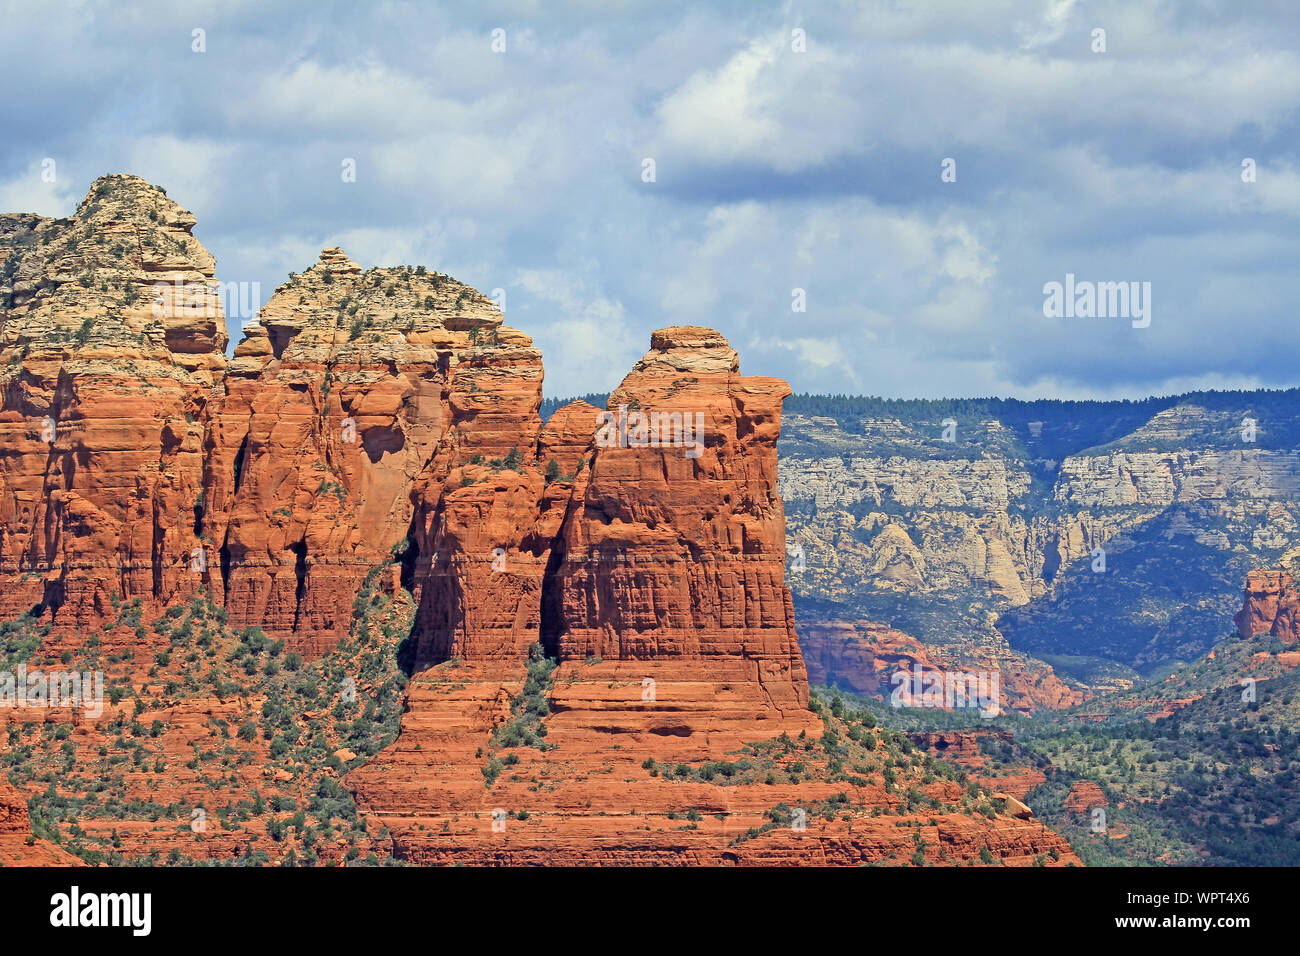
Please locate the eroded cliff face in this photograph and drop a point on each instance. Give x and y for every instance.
(677, 551)
(877, 661)
(17, 845)
(1271, 606)
(345, 412)
(367, 418)
(593, 614)
(648, 564)
(671, 647)
(111, 342)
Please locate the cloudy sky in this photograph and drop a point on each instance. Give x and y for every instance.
(779, 164)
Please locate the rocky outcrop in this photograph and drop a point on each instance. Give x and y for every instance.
(479, 533)
(1271, 606)
(17, 846)
(111, 340)
(648, 763)
(876, 661)
(13, 812)
(666, 613)
(367, 417)
(860, 656)
(675, 547)
(593, 613)
(1085, 795)
(346, 412)
(962, 746)
(649, 565)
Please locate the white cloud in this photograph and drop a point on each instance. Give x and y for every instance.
(1049, 28)
(587, 338)
(719, 114)
(776, 170)
(29, 192)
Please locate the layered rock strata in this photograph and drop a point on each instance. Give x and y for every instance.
(1271, 606)
(593, 602)
(17, 845)
(1108, 538)
(111, 341)
(672, 630)
(339, 439)
(675, 546)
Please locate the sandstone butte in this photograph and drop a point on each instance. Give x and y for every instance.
(1269, 609)
(386, 422)
(1270, 606)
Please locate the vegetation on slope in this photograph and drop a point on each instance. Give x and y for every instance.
(300, 725)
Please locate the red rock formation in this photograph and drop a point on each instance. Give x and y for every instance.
(386, 420)
(343, 417)
(1015, 782)
(13, 811)
(667, 611)
(864, 657)
(605, 792)
(860, 656)
(479, 534)
(17, 847)
(1271, 606)
(1084, 795)
(676, 549)
(961, 746)
(104, 381)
